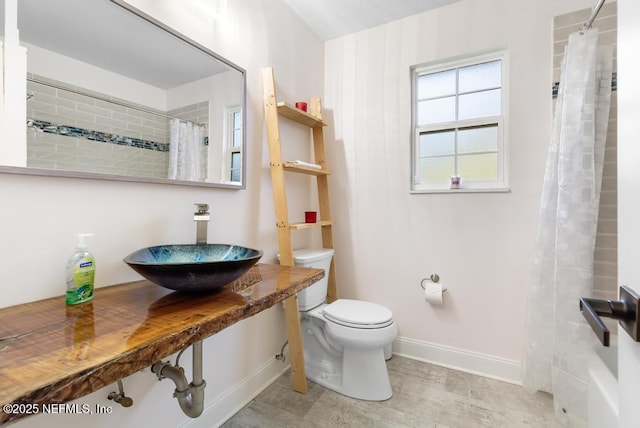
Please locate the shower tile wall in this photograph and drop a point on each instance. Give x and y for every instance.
(198, 113)
(606, 257)
(60, 107)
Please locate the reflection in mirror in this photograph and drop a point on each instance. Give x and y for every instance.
(112, 94)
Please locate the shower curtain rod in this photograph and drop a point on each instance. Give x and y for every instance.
(97, 97)
(594, 13)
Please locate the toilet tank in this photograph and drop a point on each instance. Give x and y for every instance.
(319, 258)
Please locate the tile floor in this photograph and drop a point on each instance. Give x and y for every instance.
(424, 395)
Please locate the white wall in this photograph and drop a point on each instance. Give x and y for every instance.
(40, 215)
(387, 240)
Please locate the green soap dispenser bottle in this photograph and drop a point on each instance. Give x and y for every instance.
(81, 269)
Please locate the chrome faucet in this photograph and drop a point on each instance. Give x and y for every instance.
(201, 217)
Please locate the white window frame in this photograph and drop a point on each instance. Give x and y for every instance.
(501, 184)
(229, 148)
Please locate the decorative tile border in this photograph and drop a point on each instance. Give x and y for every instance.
(102, 137)
(614, 85)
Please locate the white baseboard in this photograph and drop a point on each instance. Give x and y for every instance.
(459, 359)
(238, 396)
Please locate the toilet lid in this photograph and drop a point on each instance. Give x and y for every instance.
(358, 314)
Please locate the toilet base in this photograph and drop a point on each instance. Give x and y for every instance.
(356, 372)
(366, 376)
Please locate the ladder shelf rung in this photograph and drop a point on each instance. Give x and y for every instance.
(299, 116)
(304, 170)
(298, 226)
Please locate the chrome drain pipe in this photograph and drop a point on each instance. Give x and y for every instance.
(190, 395)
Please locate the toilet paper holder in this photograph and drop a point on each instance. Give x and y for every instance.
(434, 277)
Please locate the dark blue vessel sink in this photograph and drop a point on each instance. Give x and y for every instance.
(193, 267)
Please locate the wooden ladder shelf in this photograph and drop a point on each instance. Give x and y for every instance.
(313, 119)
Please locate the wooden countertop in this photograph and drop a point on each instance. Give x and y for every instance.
(53, 353)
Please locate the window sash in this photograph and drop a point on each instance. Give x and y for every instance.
(498, 183)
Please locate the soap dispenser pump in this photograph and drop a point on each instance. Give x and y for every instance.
(80, 273)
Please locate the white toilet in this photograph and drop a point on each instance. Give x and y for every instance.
(346, 342)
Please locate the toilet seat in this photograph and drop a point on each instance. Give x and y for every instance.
(358, 314)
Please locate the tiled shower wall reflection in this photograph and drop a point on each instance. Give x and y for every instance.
(69, 131)
(606, 256)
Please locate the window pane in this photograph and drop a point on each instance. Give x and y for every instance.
(436, 170)
(237, 137)
(237, 120)
(480, 76)
(479, 104)
(235, 160)
(436, 111)
(235, 175)
(478, 167)
(482, 139)
(437, 143)
(437, 84)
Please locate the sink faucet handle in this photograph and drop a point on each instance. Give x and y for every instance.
(202, 208)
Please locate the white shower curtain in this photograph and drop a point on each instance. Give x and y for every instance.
(559, 342)
(185, 151)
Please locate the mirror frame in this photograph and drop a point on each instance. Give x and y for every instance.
(45, 172)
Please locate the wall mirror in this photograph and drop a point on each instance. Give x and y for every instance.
(114, 94)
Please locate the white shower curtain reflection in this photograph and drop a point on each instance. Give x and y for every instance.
(559, 342)
(185, 151)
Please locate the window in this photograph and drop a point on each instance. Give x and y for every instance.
(233, 157)
(459, 125)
